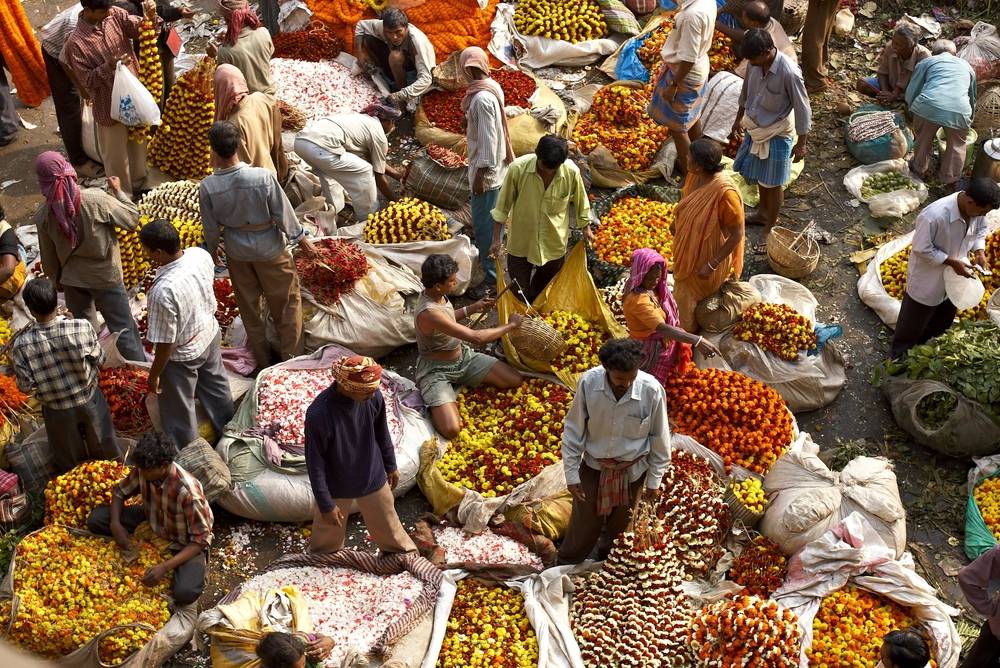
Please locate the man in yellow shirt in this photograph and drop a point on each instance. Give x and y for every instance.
(534, 203)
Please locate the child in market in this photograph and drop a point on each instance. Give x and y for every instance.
(905, 649)
(293, 650)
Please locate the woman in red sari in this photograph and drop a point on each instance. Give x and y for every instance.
(651, 316)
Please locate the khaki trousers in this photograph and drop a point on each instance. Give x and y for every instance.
(953, 158)
(379, 512)
(586, 527)
(820, 19)
(121, 157)
(276, 281)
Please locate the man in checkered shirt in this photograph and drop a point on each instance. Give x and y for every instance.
(57, 360)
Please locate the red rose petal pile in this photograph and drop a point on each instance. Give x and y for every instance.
(444, 107)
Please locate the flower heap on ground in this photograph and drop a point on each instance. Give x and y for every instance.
(5, 333)
(488, 627)
(70, 497)
(583, 340)
(483, 548)
(750, 494)
(71, 588)
(745, 631)
(338, 266)
(778, 329)
(720, 55)
(761, 567)
(321, 89)
(313, 44)
(150, 72)
(850, 625)
(987, 498)
(407, 219)
(893, 274)
(507, 437)
(633, 612)
(180, 145)
(444, 107)
(572, 22)
(283, 396)
(351, 607)
(617, 120)
(13, 402)
(741, 419)
(633, 223)
(125, 389)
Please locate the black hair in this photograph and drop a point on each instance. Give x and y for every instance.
(153, 449)
(757, 11)
(280, 650)
(224, 138)
(551, 151)
(40, 296)
(621, 355)
(96, 4)
(756, 43)
(707, 154)
(907, 649)
(161, 235)
(984, 192)
(437, 268)
(394, 19)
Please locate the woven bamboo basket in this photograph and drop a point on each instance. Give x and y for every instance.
(792, 254)
(987, 119)
(537, 340)
(739, 512)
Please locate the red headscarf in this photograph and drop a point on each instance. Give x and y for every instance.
(474, 58)
(57, 181)
(230, 89)
(238, 14)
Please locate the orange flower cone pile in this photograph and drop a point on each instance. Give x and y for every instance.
(22, 54)
(745, 631)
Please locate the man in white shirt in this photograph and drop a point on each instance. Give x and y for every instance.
(683, 79)
(943, 236)
(614, 436)
(182, 327)
(401, 52)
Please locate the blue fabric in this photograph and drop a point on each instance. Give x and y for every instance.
(629, 66)
(730, 20)
(774, 172)
(482, 227)
(664, 113)
(824, 334)
(873, 81)
(942, 91)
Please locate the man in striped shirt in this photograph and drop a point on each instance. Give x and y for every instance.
(185, 333)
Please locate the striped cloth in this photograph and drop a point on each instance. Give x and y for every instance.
(775, 172)
(690, 101)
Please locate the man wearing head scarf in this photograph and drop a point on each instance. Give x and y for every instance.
(351, 149)
(79, 249)
(247, 45)
(351, 460)
(256, 116)
(489, 150)
(246, 206)
(399, 51)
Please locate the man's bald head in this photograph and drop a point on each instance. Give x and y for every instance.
(756, 14)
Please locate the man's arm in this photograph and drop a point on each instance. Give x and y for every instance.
(424, 61)
(504, 205)
(316, 467)
(47, 249)
(161, 355)
(974, 580)
(917, 81)
(384, 187)
(438, 322)
(23, 376)
(574, 437)
(282, 212)
(121, 211)
(8, 263)
(659, 441)
(212, 227)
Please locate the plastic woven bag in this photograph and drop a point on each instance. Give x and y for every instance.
(131, 103)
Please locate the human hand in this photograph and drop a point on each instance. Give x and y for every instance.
(115, 184)
(980, 259)
(577, 492)
(479, 183)
(153, 384)
(588, 235)
(960, 267)
(515, 319)
(799, 152)
(306, 247)
(393, 479)
(335, 516)
(122, 539)
(707, 348)
(650, 494)
(186, 13)
(706, 270)
(483, 305)
(320, 648)
(154, 574)
(211, 50)
(149, 9)
(495, 248)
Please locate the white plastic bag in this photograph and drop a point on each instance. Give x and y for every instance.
(892, 204)
(983, 51)
(964, 292)
(131, 103)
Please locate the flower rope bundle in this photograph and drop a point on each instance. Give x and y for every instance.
(871, 126)
(22, 54)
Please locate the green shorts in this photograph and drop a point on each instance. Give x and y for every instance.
(437, 380)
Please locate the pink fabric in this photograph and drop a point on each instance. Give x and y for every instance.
(474, 58)
(663, 356)
(57, 181)
(238, 16)
(230, 89)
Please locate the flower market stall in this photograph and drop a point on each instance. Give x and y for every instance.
(543, 33)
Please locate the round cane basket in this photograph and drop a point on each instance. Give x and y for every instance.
(790, 253)
(987, 119)
(741, 513)
(537, 340)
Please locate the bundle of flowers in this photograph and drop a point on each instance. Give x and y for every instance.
(173, 199)
(777, 328)
(452, 25)
(407, 219)
(750, 493)
(180, 145)
(125, 390)
(135, 264)
(488, 626)
(283, 396)
(745, 631)
(740, 418)
(292, 118)
(225, 301)
(987, 497)
(507, 437)
(761, 567)
(150, 71)
(321, 89)
(618, 121)
(71, 588)
(483, 548)
(13, 402)
(633, 223)
(70, 497)
(314, 44)
(583, 340)
(569, 21)
(446, 157)
(337, 266)
(613, 297)
(22, 54)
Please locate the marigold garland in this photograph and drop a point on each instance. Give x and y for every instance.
(745, 631)
(150, 72)
(761, 567)
(180, 145)
(13, 402)
(22, 54)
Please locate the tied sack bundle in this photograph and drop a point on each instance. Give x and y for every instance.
(874, 135)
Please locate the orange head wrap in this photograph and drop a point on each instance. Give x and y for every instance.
(357, 374)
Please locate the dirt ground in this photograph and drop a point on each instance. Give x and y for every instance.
(858, 422)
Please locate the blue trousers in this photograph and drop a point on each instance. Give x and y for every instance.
(482, 226)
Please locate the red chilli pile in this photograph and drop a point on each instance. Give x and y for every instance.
(443, 108)
(338, 266)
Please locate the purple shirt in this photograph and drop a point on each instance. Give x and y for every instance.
(348, 447)
(980, 582)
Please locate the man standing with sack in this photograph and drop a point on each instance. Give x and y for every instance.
(102, 39)
(615, 435)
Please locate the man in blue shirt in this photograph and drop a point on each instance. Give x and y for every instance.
(941, 94)
(351, 460)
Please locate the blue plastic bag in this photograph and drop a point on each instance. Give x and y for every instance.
(629, 67)
(825, 333)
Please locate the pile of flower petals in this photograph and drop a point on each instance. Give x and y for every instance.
(321, 89)
(484, 548)
(283, 396)
(351, 607)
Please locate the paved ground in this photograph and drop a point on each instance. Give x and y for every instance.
(857, 422)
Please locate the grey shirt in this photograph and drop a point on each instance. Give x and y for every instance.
(768, 97)
(248, 207)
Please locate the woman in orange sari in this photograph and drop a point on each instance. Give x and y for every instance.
(708, 231)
